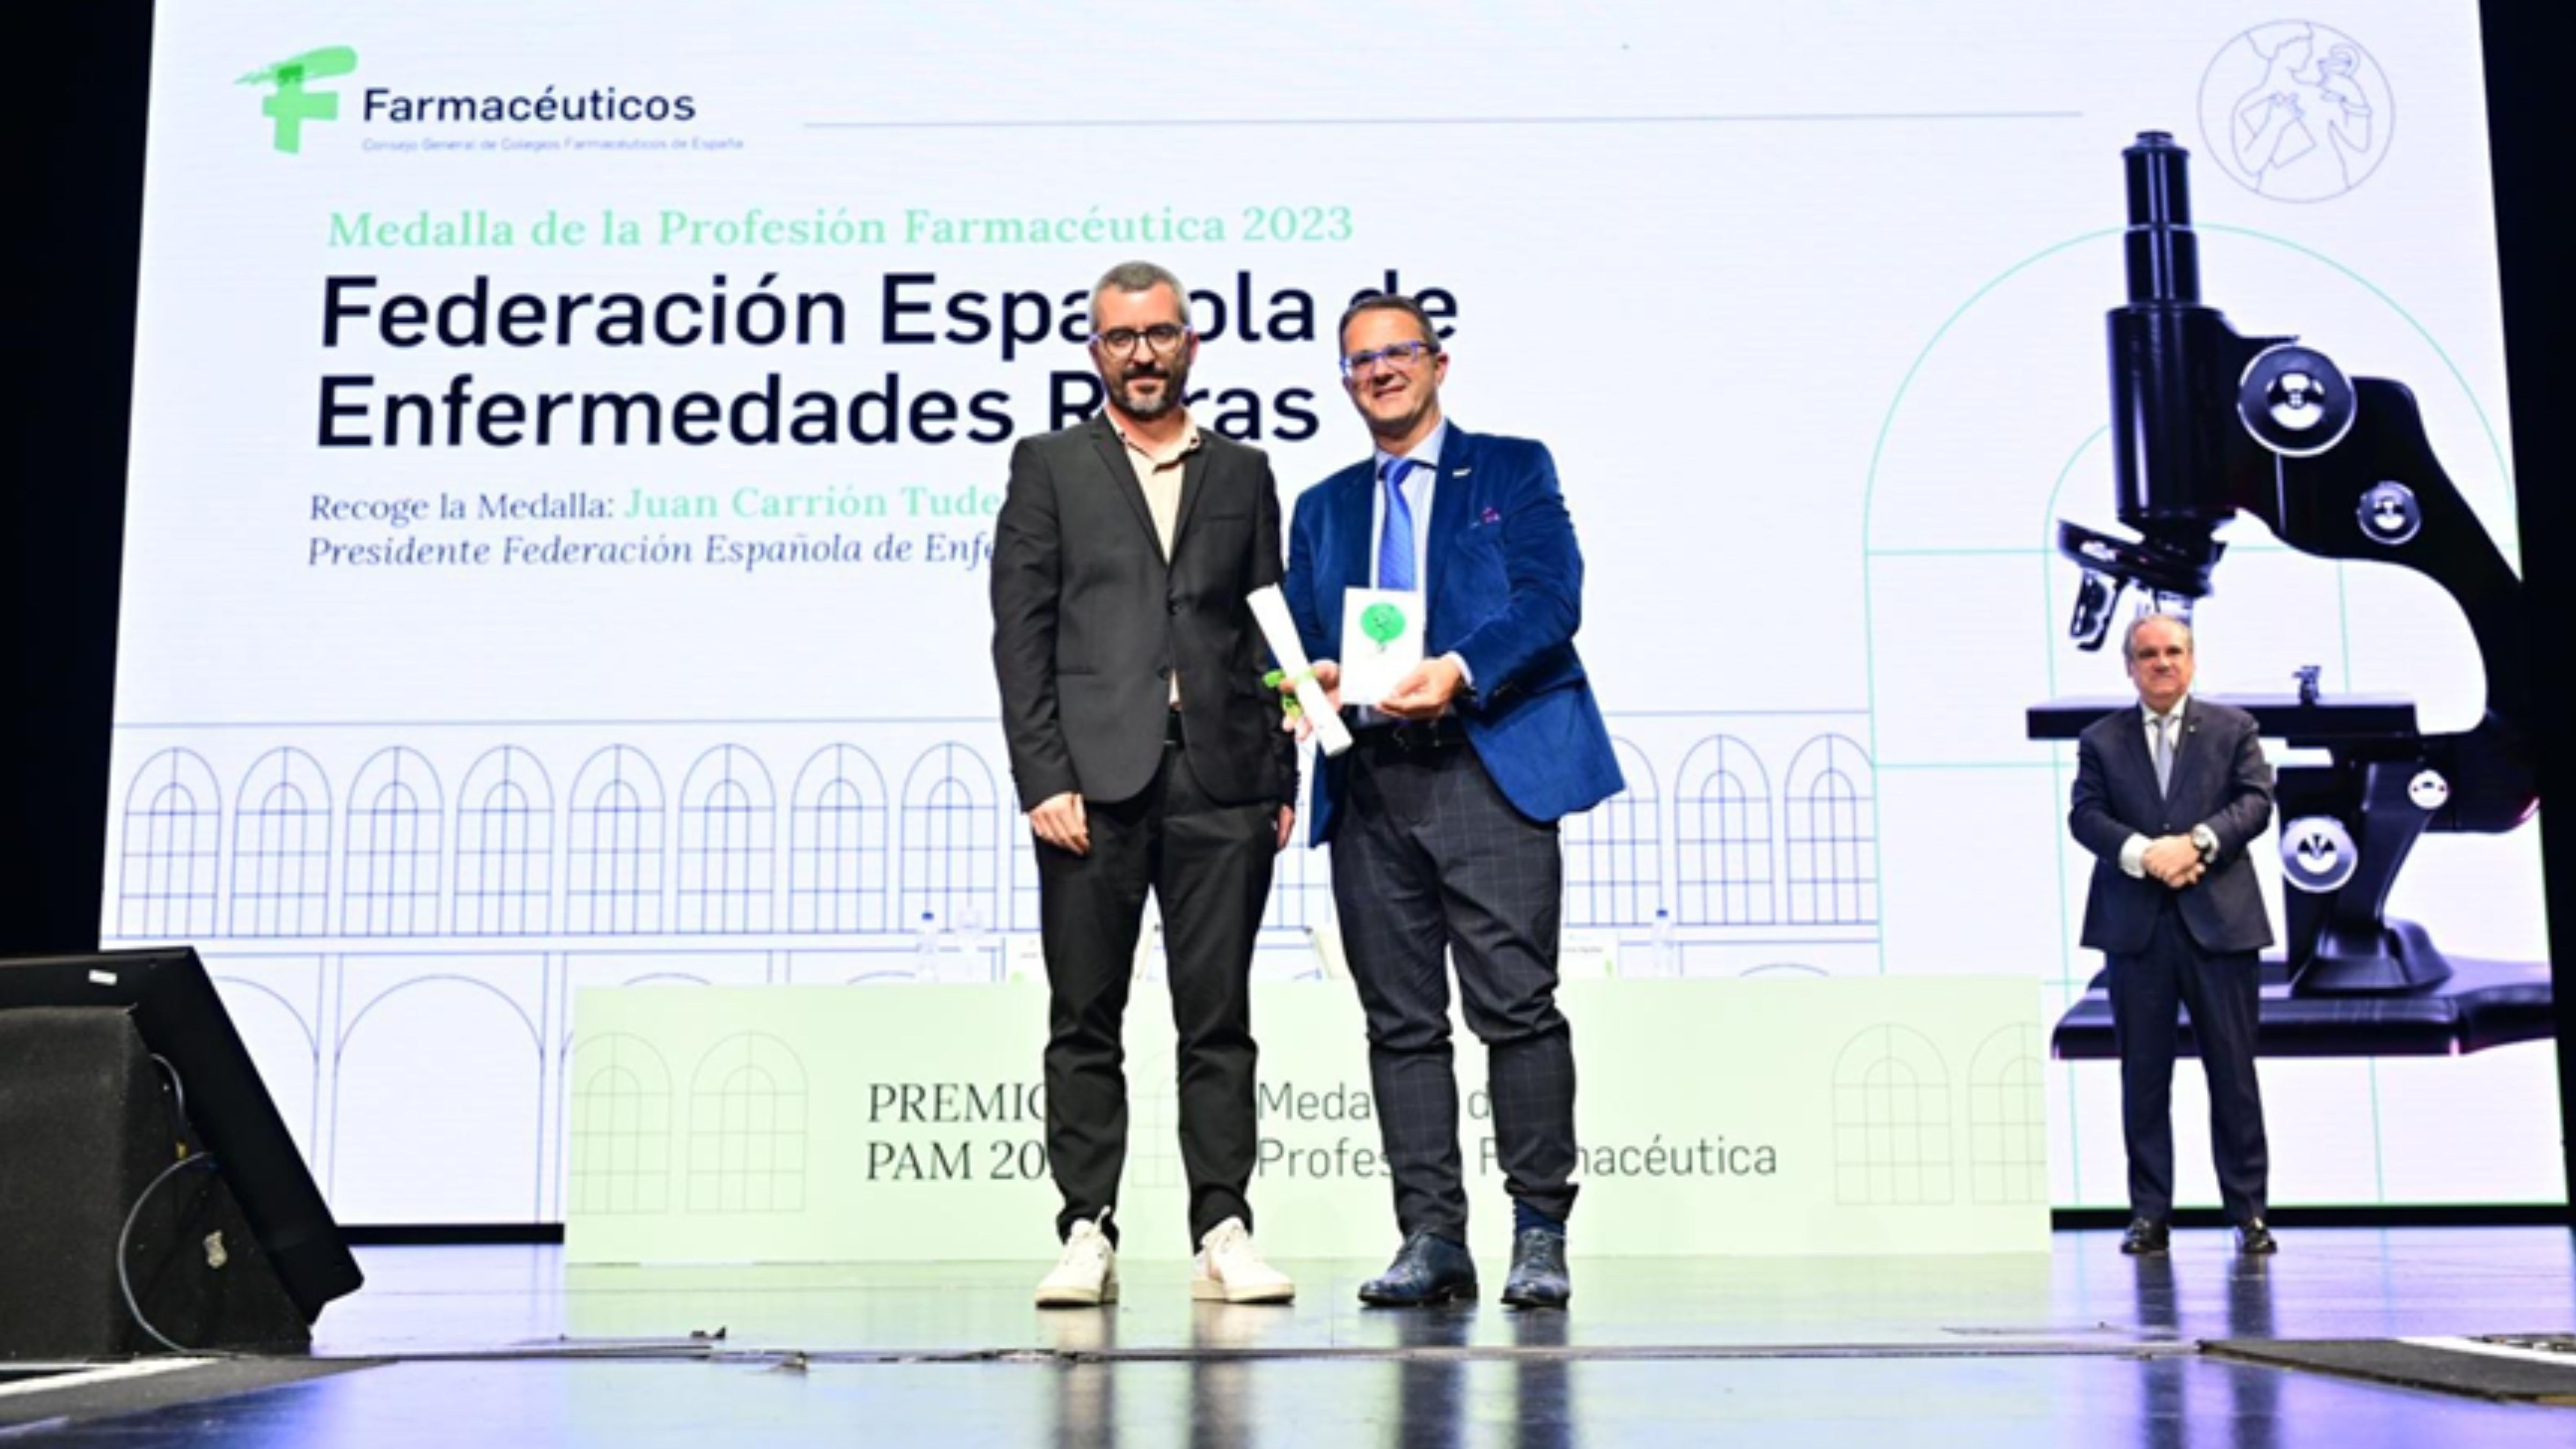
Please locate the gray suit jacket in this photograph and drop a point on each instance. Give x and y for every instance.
(1089, 621)
(2220, 779)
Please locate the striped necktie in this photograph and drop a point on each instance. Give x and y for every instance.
(1395, 541)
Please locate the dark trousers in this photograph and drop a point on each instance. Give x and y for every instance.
(1209, 866)
(1428, 859)
(2222, 991)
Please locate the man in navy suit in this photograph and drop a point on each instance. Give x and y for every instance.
(1443, 816)
(2168, 797)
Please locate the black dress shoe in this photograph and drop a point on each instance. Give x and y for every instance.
(1538, 1277)
(1428, 1269)
(2254, 1239)
(2146, 1238)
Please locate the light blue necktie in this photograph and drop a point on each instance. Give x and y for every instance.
(2164, 755)
(1395, 543)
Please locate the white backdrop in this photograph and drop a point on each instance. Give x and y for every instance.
(1806, 300)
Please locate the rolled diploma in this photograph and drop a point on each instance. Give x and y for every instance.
(1270, 611)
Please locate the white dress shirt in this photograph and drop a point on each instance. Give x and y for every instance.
(2133, 851)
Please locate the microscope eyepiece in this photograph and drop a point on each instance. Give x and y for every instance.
(2164, 256)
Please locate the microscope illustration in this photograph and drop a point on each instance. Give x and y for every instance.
(2208, 424)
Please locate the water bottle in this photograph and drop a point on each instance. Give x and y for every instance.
(1668, 952)
(925, 949)
(970, 943)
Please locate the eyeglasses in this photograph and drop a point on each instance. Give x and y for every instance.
(1162, 337)
(1403, 357)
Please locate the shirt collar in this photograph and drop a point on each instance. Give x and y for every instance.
(1191, 440)
(2148, 711)
(1426, 454)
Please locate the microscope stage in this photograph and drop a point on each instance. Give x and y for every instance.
(2484, 1004)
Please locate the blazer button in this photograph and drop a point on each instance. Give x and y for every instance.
(1171, 606)
(1164, 673)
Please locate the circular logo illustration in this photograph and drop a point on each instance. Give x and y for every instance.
(2389, 514)
(2296, 111)
(2317, 854)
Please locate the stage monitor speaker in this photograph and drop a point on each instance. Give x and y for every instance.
(129, 1110)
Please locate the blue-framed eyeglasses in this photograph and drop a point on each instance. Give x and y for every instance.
(1403, 357)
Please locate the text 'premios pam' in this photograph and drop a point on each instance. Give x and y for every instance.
(750, 367)
(990, 1131)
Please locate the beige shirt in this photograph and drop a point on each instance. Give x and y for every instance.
(1159, 474)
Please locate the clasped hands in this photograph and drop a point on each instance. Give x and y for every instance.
(1424, 691)
(2174, 860)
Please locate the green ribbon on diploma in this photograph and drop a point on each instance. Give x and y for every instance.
(1278, 679)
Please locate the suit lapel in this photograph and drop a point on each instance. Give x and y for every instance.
(1448, 506)
(1122, 477)
(2142, 759)
(2186, 753)
(1194, 481)
(1352, 545)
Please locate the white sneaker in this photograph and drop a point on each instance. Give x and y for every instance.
(1230, 1269)
(1087, 1275)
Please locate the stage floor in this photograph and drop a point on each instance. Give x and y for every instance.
(508, 1346)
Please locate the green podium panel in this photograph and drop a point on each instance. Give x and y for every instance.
(837, 1124)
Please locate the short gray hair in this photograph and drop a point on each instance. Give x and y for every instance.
(1140, 277)
(2129, 640)
(1386, 302)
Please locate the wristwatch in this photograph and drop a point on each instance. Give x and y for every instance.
(2205, 840)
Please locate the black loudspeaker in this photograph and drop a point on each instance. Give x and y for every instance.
(89, 1124)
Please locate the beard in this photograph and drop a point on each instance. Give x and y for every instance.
(1175, 378)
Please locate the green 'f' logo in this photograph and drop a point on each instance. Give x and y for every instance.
(291, 105)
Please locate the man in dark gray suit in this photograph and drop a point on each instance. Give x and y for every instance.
(2168, 797)
(1149, 757)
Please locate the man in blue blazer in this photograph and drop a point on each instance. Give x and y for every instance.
(2168, 797)
(1443, 816)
